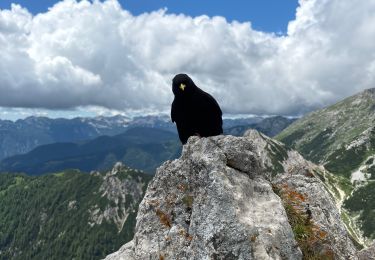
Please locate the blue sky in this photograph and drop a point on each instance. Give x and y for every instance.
(265, 15)
(95, 58)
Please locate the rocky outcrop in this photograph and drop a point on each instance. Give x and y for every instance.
(368, 253)
(237, 198)
(123, 195)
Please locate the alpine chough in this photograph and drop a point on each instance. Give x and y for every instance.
(194, 111)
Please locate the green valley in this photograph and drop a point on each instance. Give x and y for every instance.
(68, 215)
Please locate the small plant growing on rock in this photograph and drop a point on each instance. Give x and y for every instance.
(311, 239)
(188, 201)
(164, 218)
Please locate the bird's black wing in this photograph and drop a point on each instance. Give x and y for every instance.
(173, 111)
(210, 116)
(182, 116)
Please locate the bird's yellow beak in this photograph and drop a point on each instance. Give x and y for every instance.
(182, 86)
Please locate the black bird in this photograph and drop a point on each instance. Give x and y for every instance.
(194, 111)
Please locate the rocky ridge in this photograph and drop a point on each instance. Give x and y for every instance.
(123, 196)
(320, 134)
(342, 138)
(238, 198)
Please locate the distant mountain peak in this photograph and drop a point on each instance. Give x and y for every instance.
(365, 94)
(370, 90)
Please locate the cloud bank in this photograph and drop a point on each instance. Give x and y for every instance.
(97, 54)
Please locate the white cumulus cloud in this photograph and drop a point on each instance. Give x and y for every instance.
(98, 54)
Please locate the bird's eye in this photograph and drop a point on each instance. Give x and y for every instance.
(182, 86)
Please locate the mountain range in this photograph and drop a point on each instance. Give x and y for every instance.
(341, 137)
(270, 126)
(144, 143)
(138, 147)
(23, 135)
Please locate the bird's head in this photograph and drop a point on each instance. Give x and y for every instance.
(182, 85)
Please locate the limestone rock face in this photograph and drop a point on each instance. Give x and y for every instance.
(124, 194)
(368, 253)
(223, 200)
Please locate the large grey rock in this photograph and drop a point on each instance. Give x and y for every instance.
(367, 253)
(217, 202)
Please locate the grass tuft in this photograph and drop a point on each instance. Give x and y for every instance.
(311, 239)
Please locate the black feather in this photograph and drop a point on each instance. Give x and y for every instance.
(194, 111)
